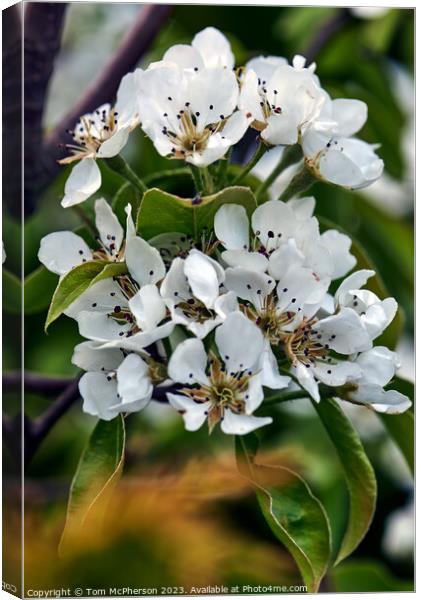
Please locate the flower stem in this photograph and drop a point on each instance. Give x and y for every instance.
(153, 178)
(85, 219)
(290, 156)
(260, 150)
(197, 178)
(120, 166)
(284, 397)
(223, 169)
(299, 183)
(208, 180)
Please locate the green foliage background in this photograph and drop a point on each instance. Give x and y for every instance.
(358, 61)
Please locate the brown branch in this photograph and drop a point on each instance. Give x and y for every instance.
(37, 430)
(43, 25)
(12, 108)
(33, 382)
(104, 89)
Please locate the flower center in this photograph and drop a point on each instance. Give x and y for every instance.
(188, 137)
(90, 133)
(224, 391)
(304, 345)
(270, 320)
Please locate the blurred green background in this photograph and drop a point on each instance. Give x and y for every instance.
(170, 531)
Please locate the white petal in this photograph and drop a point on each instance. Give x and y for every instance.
(194, 414)
(306, 380)
(300, 287)
(253, 261)
(202, 277)
(336, 374)
(249, 285)
(62, 250)
(98, 395)
(352, 282)
(126, 105)
(349, 114)
(114, 144)
(351, 163)
(303, 207)
(379, 316)
(239, 342)
(214, 48)
(390, 402)
(98, 326)
(269, 371)
(343, 332)
(188, 363)
(175, 286)
(265, 66)
(286, 258)
(339, 246)
(231, 227)
(254, 395)
(233, 424)
(89, 357)
(148, 307)
(184, 56)
(139, 341)
(201, 330)
(226, 304)
(109, 228)
(103, 297)
(134, 383)
(281, 129)
(273, 222)
(144, 262)
(378, 364)
(250, 98)
(130, 228)
(83, 181)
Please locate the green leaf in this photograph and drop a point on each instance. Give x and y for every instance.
(12, 293)
(125, 195)
(99, 469)
(76, 281)
(39, 288)
(367, 576)
(359, 474)
(295, 515)
(402, 427)
(161, 212)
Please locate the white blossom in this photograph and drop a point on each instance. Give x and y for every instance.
(101, 134)
(378, 366)
(114, 383)
(375, 314)
(283, 238)
(61, 251)
(223, 389)
(191, 114)
(332, 154)
(126, 311)
(282, 99)
(192, 291)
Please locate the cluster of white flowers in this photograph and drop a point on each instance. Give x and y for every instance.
(194, 105)
(208, 326)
